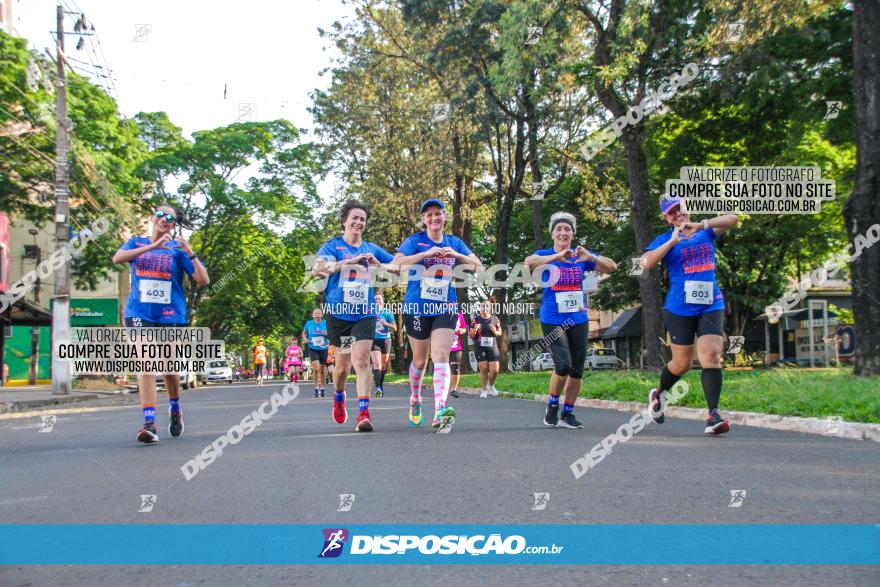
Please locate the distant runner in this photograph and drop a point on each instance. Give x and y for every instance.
(260, 353)
(315, 336)
(485, 331)
(381, 349)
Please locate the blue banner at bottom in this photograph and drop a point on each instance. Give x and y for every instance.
(210, 544)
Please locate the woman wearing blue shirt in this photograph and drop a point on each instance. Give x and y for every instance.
(158, 263)
(351, 323)
(694, 306)
(431, 307)
(564, 317)
(314, 336)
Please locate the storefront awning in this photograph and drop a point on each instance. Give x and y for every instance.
(26, 313)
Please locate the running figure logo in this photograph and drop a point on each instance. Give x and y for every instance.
(737, 496)
(735, 31)
(637, 266)
(47, 423)
(832, 109)
(541, 500)
(334, 540)
(736, 344)
(147, 503)
(142, 32)
(534, 35)
(347, 342)
(346, 500)
(833, 426)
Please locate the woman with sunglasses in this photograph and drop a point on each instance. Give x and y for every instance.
(564, 317)
(432, 308)
(694, 305)
(347, 261)
(158, 263)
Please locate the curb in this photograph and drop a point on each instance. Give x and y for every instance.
(849, 430)
(27, 404)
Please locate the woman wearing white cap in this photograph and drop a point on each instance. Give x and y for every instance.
(430, 307)
(564, 318)
(694, 305)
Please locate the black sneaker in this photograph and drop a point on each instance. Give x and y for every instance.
(551, 417)
(175, 423)
(657, 403)
(316, 392)
(148, 434)
(454, 393)
(322, 393)
(715, 424)
(569, 421)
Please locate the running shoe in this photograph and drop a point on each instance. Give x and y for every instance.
(415, 412)
(379, 392)
(364, 424)
(443, 419)
(484, 393)
(175, 423)
(316, 393)
(657, 403)
(454, 393)
(340, 414)
(551, 416)
(493, 391)
(715, 424)
(323, 393)
(148, 434)
(569, 421)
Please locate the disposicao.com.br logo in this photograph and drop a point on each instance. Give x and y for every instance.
(431, 544)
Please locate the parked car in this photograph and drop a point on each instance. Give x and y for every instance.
(543, 362)
(601, 359)
(187, 380)
(219, 370)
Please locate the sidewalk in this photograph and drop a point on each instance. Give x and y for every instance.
(19, 399)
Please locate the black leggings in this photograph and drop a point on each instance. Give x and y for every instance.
(568, 346)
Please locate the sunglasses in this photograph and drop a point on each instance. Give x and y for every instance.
(160, 214)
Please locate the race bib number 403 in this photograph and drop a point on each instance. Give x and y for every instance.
(155, 292)
(699, 292)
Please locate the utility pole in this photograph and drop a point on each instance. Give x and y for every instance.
(61, 380)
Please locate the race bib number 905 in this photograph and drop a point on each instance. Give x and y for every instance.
(355, 292)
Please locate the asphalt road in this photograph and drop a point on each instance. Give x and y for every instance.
(291, 470)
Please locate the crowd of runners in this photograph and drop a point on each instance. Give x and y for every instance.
(356, 331)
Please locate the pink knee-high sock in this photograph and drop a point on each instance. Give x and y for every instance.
(415, 382)
(442, 378)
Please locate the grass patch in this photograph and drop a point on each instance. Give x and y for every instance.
(786, 391)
